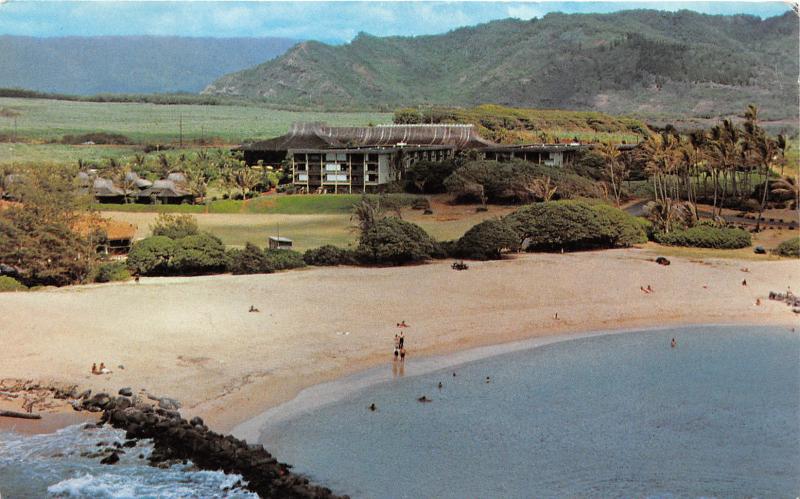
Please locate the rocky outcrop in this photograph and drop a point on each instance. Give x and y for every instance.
(177, 440)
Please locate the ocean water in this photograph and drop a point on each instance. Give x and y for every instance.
(620, 415)
(51, 465)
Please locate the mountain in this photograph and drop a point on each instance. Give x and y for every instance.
(127, 64)
(638, 61)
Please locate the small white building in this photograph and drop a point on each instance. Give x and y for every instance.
(280, 243)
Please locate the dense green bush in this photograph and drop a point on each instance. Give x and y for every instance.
(517, 182)
(174, 226)
(250, 260)
(329, 255)
(284, 259)
(198, 254)
(487, 239)
(705, 236)
(112, 272)
(573, 225)
(151, 256)
(394, 241)
(11, 284)
(428, 177)
(790, 247)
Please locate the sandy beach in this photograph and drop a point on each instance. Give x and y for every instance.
(193, 339)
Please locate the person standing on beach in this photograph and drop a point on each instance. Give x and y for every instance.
(402, 354)
(401, 340)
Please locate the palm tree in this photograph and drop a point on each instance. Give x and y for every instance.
(614, 168)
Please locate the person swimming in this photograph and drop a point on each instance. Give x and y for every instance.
(372, 407)
(440, 385)
(424, 398)
(673, 343)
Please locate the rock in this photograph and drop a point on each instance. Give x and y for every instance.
(122, 403)
(84, 394)
(112, 458)
(759, 250)
(196, 421)
(126, 391)
(662, 261)
(169, 404)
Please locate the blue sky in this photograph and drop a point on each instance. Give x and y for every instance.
(326, 21)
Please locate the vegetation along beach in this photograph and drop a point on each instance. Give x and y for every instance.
(308, 250)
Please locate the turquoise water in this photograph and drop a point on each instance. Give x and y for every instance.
(619, 415)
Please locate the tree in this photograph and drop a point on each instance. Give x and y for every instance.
(486, 240)
(151, 256)
(615, 169)
(394, 241)
(198, 254)
(47, 237)
(174, 226)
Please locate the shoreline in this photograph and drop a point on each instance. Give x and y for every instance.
(335, 390)
(192, 339)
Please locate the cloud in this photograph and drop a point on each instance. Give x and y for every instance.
(326, 21)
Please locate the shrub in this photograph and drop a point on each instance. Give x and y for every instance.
(329, 255)
(704, 236)
(575, 225)
(174, 226)
(250, 260)
(198, 254)
(283, 259)
(394, 241)
(10, 284)
(151, 256)
(487, 239)
(517, 182)
(790, 247)
(112, 272)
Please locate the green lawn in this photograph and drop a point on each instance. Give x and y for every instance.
(43, 119)
(319, 204)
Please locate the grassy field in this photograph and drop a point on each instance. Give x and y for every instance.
(43, 119)
(310, 221)
(340, 204)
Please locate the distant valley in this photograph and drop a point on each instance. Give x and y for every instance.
(127, 64)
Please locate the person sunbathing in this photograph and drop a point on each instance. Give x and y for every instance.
(103, 369)
(94, 368)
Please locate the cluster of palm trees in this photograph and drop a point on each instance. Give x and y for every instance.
(222, 167)
(729, 164)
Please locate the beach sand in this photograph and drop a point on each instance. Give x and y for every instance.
(193, 339)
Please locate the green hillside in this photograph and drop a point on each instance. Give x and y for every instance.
(127, 64)
(633, 62)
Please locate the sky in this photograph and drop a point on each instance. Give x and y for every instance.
(332, 22)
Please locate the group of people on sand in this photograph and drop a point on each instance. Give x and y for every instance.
(100, 370)
(399, 343)
(647, 290)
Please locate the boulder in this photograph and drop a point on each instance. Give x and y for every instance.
(126, 391)
(112, 458)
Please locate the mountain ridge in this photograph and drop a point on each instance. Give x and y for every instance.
(629, 62)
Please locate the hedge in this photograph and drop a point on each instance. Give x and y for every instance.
(250, 260)
(112, 272)
(151, 256)
(790, 247)
(10, 284)
(329, 255)
(284, 259)
(705, 236)
(575, 225)
(198, 254)
(486, 240)
(394, 241)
